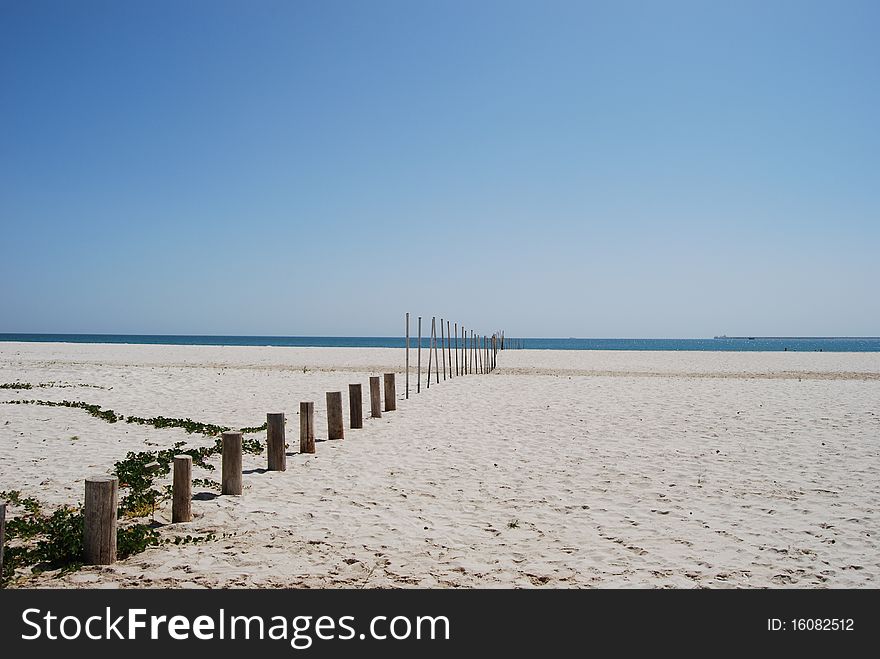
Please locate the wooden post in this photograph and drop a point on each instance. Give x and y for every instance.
(436, 359)
(407, 355)
(449, 348)
(181, 505)
(431, 348)
(456, 350)
(275, 442)
(2, 536)
(375, 398)
(99, 520)
(464, 361)
(463, 350)
(355, 406)
(390, 396)
(502, 339)
(443, 347)
(335, 425)
(477, 351)
(231, 463)
(419, 373)
(307, 427)
(473, 352)
(480, 350)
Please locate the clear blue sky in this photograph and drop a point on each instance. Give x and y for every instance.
(596, 169)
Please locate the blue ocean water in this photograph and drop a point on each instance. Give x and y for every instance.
(726, 344)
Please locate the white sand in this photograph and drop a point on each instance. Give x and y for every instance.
(564, 469)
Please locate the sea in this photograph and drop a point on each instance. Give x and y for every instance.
(722, 343)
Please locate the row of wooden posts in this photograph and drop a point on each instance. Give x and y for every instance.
(474, 353)
(101, 492)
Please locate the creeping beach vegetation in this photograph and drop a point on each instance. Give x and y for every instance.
(53, 541)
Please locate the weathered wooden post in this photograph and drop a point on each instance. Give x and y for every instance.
(419, 373)
(307, 427)
(99, 520)
(2, 536)
(449, 347)
(335, 424)
(231, 477)
(407, 355)
(456, 350)
(431, 347)
(436, 359)
(355, 406)
(390, 396)
(181, 504)
(464, 362)
(443, 347)
(275, 441)
(375, 397)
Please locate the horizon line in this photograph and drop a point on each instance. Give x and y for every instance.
(394, 336)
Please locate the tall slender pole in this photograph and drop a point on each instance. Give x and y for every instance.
(449, 348)
(430, 349)
(436, 359)
(463, 350)
(443, 348)
(456, 349)
(419, 349)
(473, 352)
(407, 355)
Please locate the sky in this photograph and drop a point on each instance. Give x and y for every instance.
(587, 169)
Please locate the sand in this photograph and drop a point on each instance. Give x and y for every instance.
(560, 469)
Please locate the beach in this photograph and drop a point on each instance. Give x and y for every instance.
(559, 469)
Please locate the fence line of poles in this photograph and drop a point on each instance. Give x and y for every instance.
(476, 354)
(457, 351)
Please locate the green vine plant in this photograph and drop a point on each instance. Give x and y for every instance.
(53, 541)
(110, 416)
